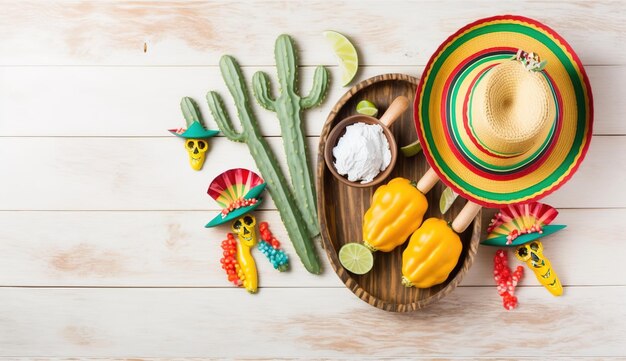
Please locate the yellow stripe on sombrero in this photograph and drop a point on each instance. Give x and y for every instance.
(476, 152)
(556, 70)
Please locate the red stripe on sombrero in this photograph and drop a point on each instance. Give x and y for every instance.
(417, 115)
(558, 125)
(459, 155)
(466, 118)
(589, 114)
(453, 74)
(526, 170)
(546, 153)
(420, 89)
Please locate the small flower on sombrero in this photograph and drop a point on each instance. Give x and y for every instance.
(195, 135)
(530, 61)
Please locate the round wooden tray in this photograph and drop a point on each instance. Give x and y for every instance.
(341, 208)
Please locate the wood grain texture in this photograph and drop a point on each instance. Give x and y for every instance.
(58, 173)
(319, 323)
(87, 90)
(194, 33)
(172, 249)
(341, 207)
(144, 101)
(135, 101)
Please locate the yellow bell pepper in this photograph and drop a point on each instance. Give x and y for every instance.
(431, 255)
(396, 211)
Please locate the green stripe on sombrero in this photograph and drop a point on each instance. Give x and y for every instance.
(480, 162)
(575, 77)
(451, 114)
(454, 91)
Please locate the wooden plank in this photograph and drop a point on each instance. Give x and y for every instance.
(317, 323)
(144, 101)
(153, 174)
(134, 249)
(197, 33)
(139, 101)
(163, 249)
(489, 358)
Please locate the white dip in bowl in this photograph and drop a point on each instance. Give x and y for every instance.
(362, 152)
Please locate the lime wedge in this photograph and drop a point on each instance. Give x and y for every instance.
(447, 198)
(345, 51)
(356, 258)
(411, 149)
(366, 107)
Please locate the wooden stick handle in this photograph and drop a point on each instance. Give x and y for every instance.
(466, 216)
(395, 110)
(428, 181)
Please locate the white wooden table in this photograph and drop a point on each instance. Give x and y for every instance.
(103, 249)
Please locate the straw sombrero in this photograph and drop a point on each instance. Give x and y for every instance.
(504, 111)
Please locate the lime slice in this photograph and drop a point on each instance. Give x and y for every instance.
(366, 107)
(356, 258)
(447, 198)
(411, 149)
(345, 51)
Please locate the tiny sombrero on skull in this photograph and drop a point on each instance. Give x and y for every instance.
(237, 191)
(195, 135)
(504, 111)
(195, 129)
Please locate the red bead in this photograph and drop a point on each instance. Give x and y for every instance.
(506, 281)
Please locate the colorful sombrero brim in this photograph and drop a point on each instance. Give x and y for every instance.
(195, 131)
(524, 238)
(253, 193)
(441, 113)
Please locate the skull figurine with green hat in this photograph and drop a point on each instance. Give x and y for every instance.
(238, 192)
(195, 135)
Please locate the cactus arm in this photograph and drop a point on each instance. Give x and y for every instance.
(288, 106)
(318, 90)
(231, 72)
(265, 161)
(285, 202)
(190, 111)
(285, 55)
(221, 117)
(296, 150)
(262, 92)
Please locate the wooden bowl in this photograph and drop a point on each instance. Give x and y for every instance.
(341, 207)
(339, 130)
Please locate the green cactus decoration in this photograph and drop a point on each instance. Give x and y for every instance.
(265, 159)
(288, 106)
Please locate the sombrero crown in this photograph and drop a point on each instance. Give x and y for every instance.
(510, 109)
(498, 124)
